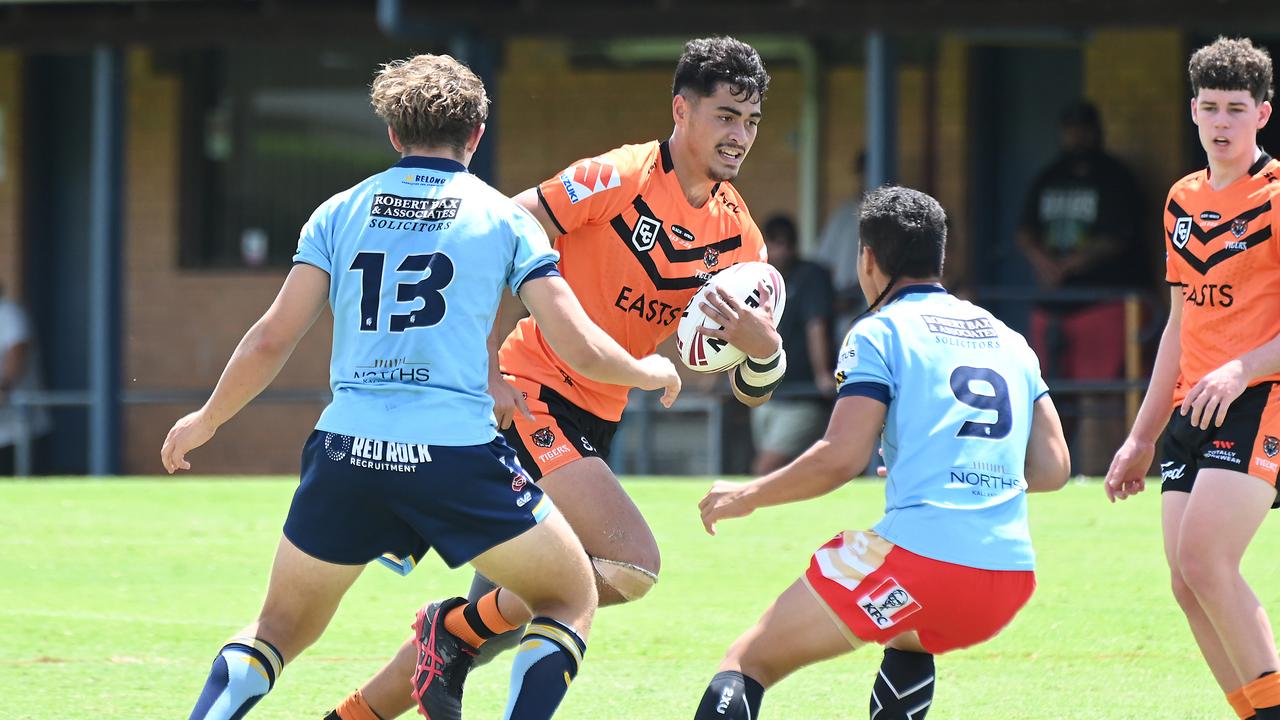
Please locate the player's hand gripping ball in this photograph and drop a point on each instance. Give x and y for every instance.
(705, 354)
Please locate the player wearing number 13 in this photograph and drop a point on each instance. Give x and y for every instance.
(407, 456)
(968, 429)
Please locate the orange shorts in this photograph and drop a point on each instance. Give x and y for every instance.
(559, 433)
(875, 590)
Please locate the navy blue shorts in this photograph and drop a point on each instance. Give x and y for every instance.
(361, 498)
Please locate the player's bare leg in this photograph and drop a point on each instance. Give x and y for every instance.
(1223, 514)
(767, 461)
(795, 631)
(547, 569)
(610, 528)
(302, 596)
(1173, 506)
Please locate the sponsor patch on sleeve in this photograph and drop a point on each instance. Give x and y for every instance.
(588, 178)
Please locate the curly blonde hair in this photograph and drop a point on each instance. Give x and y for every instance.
(430, 101)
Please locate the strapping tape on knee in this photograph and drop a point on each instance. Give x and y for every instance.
(628, 580)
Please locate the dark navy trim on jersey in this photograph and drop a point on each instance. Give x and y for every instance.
(438, 164)
(1037, 398)
(1263, 159)
(906, 290)
(665, 152)
(304, 262)
(543, 270)
(873, 390)
(546, 206)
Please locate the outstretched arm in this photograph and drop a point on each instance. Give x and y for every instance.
(254, 364)
(829, 463)
(588, 349)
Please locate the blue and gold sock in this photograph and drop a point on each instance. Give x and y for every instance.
(244, 671)
(545, 664)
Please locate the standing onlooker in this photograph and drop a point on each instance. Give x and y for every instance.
(1215, 388)
(1081, 228)
(838, 250)
(18, 372)
(798, 412)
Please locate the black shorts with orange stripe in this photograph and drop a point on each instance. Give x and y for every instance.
(1247, 442)
(559, 433)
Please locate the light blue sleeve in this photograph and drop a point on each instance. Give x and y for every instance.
(863, 366)
(314, 244)
(1038, 385)
(533, 254)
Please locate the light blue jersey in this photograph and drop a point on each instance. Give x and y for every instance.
(417, 258)
(960, 386)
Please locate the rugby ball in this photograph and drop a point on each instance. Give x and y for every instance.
(704, 354)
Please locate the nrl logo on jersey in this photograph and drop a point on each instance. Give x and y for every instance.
(1181, 232)
(645, 235)
(588, 178)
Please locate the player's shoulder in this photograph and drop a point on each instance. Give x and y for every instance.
(1189, 184)
(630, 162)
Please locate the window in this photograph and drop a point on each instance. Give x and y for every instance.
(269, 133)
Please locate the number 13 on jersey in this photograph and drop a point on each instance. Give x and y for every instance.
(439, 269)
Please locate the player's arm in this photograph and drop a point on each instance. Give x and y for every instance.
(529, 201)
(1128, 471)
(507, 401)
(1048, 463)
(587, 348)
(254, 364)
(841, 454)
(1210, 398)
(752, 331)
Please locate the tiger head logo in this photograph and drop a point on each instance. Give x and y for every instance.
(711, 257)
(1271, 445)
(543, 437)
(1239, 227)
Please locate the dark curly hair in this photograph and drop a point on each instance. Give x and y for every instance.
(906, 231)
(707, 62)
(1232, 64)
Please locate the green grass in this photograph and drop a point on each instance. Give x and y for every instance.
(116, 594)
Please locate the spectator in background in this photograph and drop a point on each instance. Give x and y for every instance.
(838, 251)
(18, 372)
(1080, 228)
(797, 414)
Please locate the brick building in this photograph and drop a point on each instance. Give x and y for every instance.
(235, 119)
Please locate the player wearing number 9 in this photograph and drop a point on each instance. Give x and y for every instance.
(968, 429)
(407, 457)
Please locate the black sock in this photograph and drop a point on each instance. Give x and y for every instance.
(500, 643)
(730, 696)
(904, 686)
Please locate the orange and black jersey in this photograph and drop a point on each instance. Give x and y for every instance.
(634, 251)
(1222, 249)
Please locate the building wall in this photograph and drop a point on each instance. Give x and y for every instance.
(10, 172)
(1138, 79)
(181, 326)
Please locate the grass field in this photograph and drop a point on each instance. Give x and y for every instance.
(116, 594)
